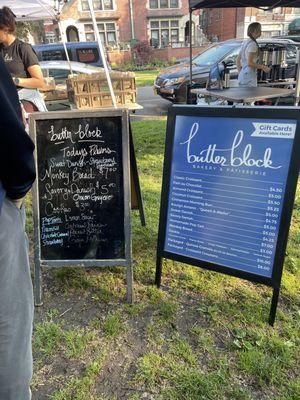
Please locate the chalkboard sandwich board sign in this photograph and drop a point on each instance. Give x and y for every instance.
(82, 192)
(229, 181)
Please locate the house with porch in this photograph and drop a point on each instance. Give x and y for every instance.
(162, 24)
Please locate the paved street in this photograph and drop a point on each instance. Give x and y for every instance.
(154, 106)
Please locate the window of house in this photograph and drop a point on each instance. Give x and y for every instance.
(218, 14)
(164, 32)
(89, 32)
(164, 3)
(154, 3)
(98, 5)
(174, 4)
(209, 17)
(107, 32)
(268, 34)
(202, 19)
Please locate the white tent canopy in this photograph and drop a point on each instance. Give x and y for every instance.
(28, 10)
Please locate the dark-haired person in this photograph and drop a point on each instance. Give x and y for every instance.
(21, 61)
(17, 173)
(247, 61)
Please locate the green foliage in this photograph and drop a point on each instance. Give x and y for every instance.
(77, 341)
(149, 369)
(291, 391)
(239, 394)
(153, 64)
(113, 325)
(166, 308)
(205, 341)
(192, 384)
(146, 78)
(75, 278)
(35, 28)
(47, 337)
(182, 350)
(81, 388)
(265, 368)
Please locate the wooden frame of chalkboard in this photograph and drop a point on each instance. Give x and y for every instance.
(120, 134)
(261, 113)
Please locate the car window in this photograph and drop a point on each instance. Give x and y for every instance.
(59, 75)
(291, 52)
(213, 54)
(53, 55)
(88, 55)
(45, 72)
(233, 55)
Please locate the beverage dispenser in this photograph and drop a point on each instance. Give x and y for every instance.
(275, 57)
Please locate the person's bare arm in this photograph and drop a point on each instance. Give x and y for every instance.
(36, 80)
(18, 203)
(252, 64)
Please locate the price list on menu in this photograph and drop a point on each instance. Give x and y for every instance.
(80, 188)
(227, 186)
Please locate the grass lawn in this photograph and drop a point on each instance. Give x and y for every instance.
(203, 336)
(146, 78)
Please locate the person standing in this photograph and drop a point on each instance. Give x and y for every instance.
(247, 60)
(17, 174)
(21, 61)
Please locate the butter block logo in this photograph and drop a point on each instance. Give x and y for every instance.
(274, 130)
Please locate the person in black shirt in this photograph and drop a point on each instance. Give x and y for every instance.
(19, 57)
(17, 174)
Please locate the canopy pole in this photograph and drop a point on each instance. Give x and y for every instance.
(131, 20)
(191, 47)
(97, 35)
(62, 34)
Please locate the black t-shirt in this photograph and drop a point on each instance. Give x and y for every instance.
(17, 170)
(18, 57)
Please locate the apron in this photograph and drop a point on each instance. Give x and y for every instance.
(34, 96)
(247, 76)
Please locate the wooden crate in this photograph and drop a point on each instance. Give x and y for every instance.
(92, 91)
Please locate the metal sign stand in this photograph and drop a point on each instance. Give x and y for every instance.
(274, 304)
(297, 87)
(135, 178)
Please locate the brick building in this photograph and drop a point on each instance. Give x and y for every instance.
(161, 23)
(51, 31)
(227, 23)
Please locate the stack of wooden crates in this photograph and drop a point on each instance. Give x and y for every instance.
(92, 91)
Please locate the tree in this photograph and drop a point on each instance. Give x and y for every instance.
(33, 28)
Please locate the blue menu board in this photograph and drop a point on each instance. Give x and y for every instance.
(227, 183)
